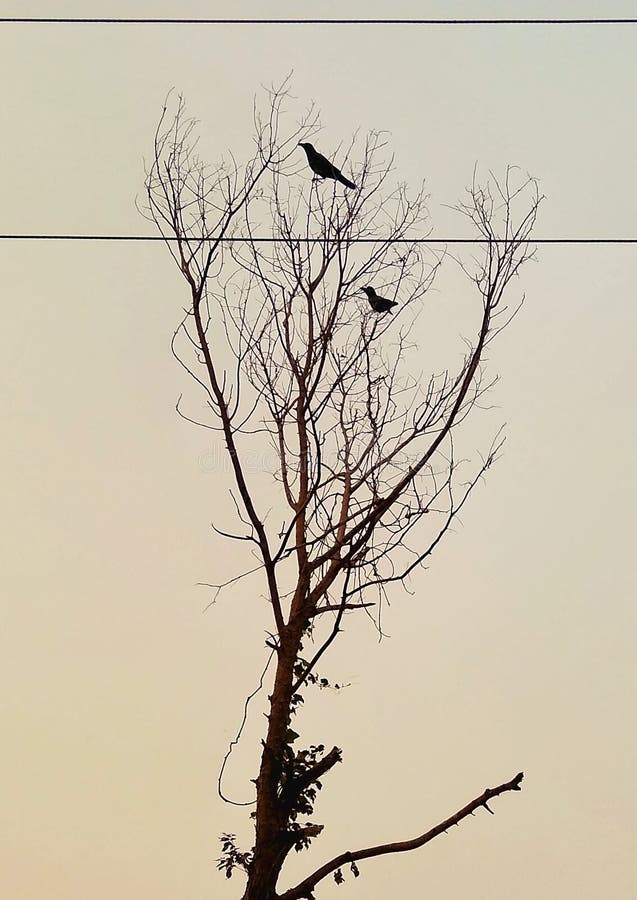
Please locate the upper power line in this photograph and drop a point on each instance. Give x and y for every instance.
(273, 240)
(23, 20)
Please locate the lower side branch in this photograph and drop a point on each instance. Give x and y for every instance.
(303, 891)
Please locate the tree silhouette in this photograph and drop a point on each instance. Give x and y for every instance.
(286, 349)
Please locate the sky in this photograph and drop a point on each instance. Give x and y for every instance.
(515, 650)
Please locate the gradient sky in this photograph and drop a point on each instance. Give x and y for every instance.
(516, 649)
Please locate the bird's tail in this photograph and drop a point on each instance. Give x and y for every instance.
(346, 182)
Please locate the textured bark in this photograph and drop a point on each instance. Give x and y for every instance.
(270, 847)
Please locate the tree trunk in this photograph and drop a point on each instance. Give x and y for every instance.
(271, 841)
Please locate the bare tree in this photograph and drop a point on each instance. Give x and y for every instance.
(281, 341)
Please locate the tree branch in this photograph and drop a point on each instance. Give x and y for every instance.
(297, 785)
(303, 891)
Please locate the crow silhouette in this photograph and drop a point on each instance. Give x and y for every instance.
(378, 304)
(323, 167)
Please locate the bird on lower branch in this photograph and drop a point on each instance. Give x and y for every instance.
(323, 167)
(378, 304)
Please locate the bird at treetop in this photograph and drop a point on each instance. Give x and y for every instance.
(378, 304)
(323, 167)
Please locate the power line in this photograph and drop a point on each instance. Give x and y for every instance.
(19, 20)
(122, 238)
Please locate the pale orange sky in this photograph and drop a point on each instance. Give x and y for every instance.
(516, 650)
